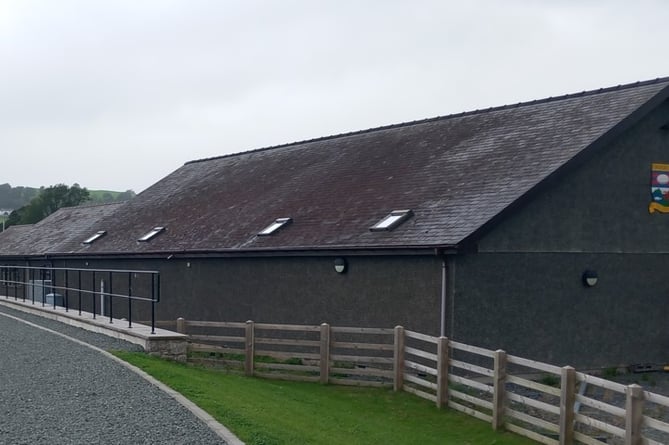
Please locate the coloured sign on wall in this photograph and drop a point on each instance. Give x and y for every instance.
(659, 188)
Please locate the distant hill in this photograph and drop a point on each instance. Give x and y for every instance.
(110, 196)
(12, 198)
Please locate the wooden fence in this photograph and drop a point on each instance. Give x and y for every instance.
(547, 403)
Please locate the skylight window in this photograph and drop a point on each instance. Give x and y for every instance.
(394, 219)
(99, 234)
(155, 231)
(276, 225)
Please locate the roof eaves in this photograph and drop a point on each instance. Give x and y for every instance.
(267, 251)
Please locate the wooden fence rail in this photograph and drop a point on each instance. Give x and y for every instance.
(549, 404)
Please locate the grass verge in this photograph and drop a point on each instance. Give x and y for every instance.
(270, 412)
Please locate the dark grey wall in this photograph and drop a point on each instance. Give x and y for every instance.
(535, 305)
(376, 291)
(523, 290)
(601, 206)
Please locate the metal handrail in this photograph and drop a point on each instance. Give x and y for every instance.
(24, 277)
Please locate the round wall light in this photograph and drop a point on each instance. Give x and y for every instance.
(340, 265)
(590, 278)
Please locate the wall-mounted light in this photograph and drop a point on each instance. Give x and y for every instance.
(340, 265)
(590, 278)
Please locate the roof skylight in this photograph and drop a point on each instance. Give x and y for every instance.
(155, 231)
(99, 234)
(394, 219)
(276, 225)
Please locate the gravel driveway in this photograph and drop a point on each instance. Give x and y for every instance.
(56, 391)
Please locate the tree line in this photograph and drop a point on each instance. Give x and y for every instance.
(47, 200)
(15, 197)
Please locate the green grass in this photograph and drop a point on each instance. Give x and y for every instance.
(97, 195)
(269, 412)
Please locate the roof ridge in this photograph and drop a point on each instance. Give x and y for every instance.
(444, 117)
(94, 204)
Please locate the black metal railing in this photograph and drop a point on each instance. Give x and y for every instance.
(56, 286)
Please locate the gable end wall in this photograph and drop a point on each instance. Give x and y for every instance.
(523, 290)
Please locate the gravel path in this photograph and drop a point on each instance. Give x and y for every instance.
(55, 391)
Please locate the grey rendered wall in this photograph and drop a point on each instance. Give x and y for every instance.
(523, 290)
(376, 291)
(534, 305)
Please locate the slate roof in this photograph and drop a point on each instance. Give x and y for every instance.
(457, 173)
(61, 232)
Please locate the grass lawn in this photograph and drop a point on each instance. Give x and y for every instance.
(272, 412)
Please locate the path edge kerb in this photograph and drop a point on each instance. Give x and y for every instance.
(198, 412)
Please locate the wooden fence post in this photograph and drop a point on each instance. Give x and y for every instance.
(250, 348)
(442, 372)
(325, 353)
(567, 400)
(634, 414)
(499, 379)
(181, 325)
(398, 362)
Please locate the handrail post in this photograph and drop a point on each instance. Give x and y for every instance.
(95, 294)
(53, 286)
(78, 291)
(23, 283)
(499, 380)
(325, 353)
(110, 295)
(249, 349)
(398, 358)
(67, 291)
(129, 300)
(153, 303)
(3, 270)
(42, 275)
(567, 401)
(442, 372)
(634, 414)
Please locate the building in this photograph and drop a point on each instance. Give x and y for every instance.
(490, 227)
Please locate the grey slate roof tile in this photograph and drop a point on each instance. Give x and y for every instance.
(456, 173)
(61, 232)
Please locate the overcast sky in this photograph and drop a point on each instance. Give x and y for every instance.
(117, 94)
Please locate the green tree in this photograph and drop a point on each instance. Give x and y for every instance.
(15, 197)
(126, 196)
(48, 201)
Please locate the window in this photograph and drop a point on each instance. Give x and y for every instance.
(95, 237)
(155, 231)
(276, 225)
(394, 219)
